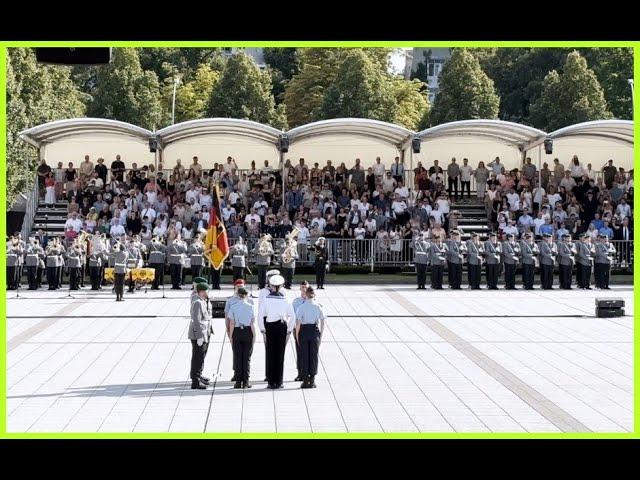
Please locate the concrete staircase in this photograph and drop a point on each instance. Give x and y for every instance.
(51, 219)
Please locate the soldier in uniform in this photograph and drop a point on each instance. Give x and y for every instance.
(510, 256)
(157, 259)
(602, 262)
(242, 337)
(474, 261)
(199, 333)
(320, 263)
(263, 261)
(74, 265)
(53, 250)
(60, 263)
(421, 259)
(437, 256)
(529, 251)
(584, 258)
(196, 252)
(264, 293)
(214, 276)
(239, 255)
(565, 261)
(83, 263)
(176, 252)
(454, 260)
(14, 254)
(310, 322)
(547, 260)
(96, 260)
(288, 261)
(492, 251)
(33, 255)
(296, 304)
(120, 257)
(134, 261)
(276, 319)
(231, 301)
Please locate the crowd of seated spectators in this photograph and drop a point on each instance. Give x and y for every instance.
(338, 201)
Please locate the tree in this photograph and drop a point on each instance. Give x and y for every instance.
(165, 62)
(614, 68)
(36, 94)
(421, 72)
(244, 91)
(466, 92)
(283, 64)
(571, 97)
(359, 90)
(412, 104)
(305, 92)
(193, 96)
(125, 92)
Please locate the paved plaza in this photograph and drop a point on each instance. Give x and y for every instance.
(393, 359)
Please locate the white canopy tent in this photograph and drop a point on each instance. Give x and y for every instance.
(212, 140)
(345, 139)
(70, 140)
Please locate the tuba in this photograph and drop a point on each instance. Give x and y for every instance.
(264, 245)
(291, 246)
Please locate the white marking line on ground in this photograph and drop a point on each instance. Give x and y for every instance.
(552, 412)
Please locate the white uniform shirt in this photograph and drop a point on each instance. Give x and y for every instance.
(276, 307)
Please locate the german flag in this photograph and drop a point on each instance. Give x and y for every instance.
(216, 243)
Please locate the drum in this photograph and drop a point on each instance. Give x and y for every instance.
(109, 275)
(143, 275)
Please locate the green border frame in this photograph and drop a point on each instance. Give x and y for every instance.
(269, 43)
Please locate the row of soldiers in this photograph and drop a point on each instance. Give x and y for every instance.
(277, 318)
(508, 255)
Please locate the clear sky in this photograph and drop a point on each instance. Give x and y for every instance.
(397, 60)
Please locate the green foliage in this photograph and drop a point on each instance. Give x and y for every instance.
(125, 92)
(571, 97)
(421, 73)
(244, 91)
(35, 94)
(193, 96)
(465, 91)
(411, 103)
(166, 62)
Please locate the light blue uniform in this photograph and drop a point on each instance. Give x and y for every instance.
(241, 313)
(297, 302)
(309, 313)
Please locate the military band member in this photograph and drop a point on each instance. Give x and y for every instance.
(120, 257)
(437, 259)
(296, 304)
(584, 259)
(492, 256)
(74, 266)
(83, 263)
(510, 257)
(242, 335)
(157, 260)
(33, 255)
(176, 252)
(310, 321)
(96, 259)
(474, 261)
(288, 261)
(566, 252)
(529, 255)
(134, 261)
(60, 263)
(53, 251)
(602, 265)
(263, 252)
(199, 333)
(320, 262)
(276, 319)
(547, 261)
(454, 260)
(196, 255)
(14, 255)
(239, 255)
(421, 259)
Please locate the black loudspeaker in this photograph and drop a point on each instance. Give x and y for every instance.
(74, 56)
(415, 145)
(217, 307)
(153, 145)
(283, 144)
(609, 307)
(548, 146)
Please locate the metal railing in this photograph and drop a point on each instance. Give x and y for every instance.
(31, 207)
(372, 253)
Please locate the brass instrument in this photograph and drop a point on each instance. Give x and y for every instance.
(554, 252)
(290, 251)
(611, 252)
(462, 248)
(498, 248)
(264, 245)
(442, 250)
(516, 252)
